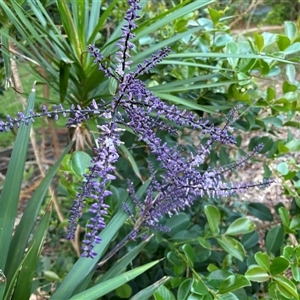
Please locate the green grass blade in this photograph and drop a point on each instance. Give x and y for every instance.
(103, 288)
(94, 19)
(12, 186)
(6, 56)
(168, 18)
(186, 103)
(23, 286)
(227, 55)
(69, 26)
(22, 233)
(101, 21)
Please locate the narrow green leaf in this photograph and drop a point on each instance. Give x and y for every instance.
(5, 54)
(69, 26)
(186, 103)
(100, 22)
(234, 55)
(213, 217)
(22, 233)
(257, 274)
(64, 74)
(12, 186)
(23, 286)
(121, 264)
(104, 288)
(240, 226)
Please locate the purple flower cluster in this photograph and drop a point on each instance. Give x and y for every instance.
(137, 108)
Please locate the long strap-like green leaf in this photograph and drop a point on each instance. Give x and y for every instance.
(12, 186)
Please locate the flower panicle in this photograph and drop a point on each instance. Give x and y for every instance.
(77, 115)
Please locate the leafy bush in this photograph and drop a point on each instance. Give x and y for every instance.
(211, 250)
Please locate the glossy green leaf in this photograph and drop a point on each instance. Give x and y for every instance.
(185, 289)
(105, 287)
(250, 240)
(174, 258)
(124, 291)
(291, 73)
(204, 243)
(293, 48)
(283, 42)
(215, 278)
(257, 274)
(290, 29)
(213, 217)
(286, 286)
(232, 48)
(232, 246)
(199, 287)
(274, 239)
(279, 265)
(296, 272)
(162, 293)
(228, 296)
(51, 276)
(189, 254)
(284, 216)
(214, 15)
(259, 41)
(295, 223)
(293, 145)
(233, 282)
(263, 260)
(260, 211)
(155, 289)
(240, 226)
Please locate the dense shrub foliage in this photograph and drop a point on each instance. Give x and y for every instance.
(160, 181)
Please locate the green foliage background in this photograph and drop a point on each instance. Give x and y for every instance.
(214, 250)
